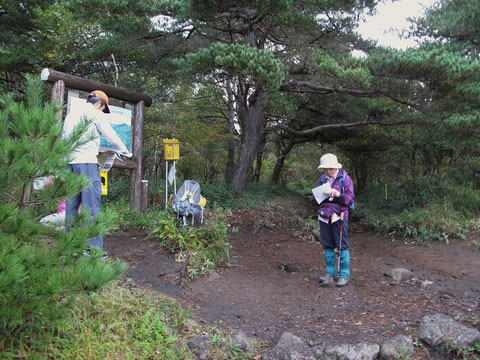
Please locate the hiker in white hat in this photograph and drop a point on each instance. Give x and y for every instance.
(333, 218)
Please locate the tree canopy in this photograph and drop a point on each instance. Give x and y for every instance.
(274, 74)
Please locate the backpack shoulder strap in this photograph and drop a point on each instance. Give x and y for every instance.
(342, 181)
(323, 178)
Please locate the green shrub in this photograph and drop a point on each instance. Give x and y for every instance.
(119, 187)
(41, 270)
(126, 219)
(204, 248)
(424, 210)
(255, 194)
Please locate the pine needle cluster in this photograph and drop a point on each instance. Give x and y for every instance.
(42, 270)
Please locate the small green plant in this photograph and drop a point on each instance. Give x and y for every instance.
(449, 347)
(202, 249)
(153, 336)
(475, 320)
(223, 348)
(474, 350)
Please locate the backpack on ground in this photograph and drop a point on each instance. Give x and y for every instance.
(323, 180)
(189, 201)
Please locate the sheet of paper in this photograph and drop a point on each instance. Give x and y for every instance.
(322, 192)
(334, 218)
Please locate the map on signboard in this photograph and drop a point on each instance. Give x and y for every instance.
(120, 120)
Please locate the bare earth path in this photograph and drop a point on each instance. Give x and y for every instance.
(272, 284)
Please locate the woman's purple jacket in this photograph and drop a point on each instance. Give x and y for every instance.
(340, 203)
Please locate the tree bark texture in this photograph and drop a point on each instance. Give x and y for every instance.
(280, 161)
(58, 93)
(258, 166)
(230, 142)
(137, 149)
(252, 138)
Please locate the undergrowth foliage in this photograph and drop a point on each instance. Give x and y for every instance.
(203, 248)
(119, 323)
(424, 210)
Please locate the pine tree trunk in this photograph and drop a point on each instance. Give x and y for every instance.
(230, 141)
(252, 132)
(280, 161)
(258, 167)
(27, 188)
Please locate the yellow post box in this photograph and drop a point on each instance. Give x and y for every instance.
(104, 177)
(171, 149)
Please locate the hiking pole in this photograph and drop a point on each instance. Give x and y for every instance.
(340, 243)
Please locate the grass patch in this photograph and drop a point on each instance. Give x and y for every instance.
(127, 219)
(425, 210)
(119, 322)
(255, 194)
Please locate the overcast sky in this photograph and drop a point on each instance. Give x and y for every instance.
(391, 18)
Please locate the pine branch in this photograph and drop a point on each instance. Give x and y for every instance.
(12, 197)
(321, 128)
(291, 86)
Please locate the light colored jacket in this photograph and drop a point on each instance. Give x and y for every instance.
(99, 125)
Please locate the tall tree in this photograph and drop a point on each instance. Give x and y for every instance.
(446, 71)
(268, 49)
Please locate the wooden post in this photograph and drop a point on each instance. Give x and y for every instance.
(137, 147)
(144, 195)
(58, 93)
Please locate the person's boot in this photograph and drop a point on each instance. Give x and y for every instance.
(341, 281)
(326, 280)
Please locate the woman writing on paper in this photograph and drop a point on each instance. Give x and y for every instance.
(333, 219)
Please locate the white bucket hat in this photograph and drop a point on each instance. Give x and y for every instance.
(329, 161)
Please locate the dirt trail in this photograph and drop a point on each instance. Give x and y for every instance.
(272, 286)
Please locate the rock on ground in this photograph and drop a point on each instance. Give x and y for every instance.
(398, 347)
(289, 347)
(399, 274)
(200, 347)
(362, 351)
(241, 341)
(439, 328)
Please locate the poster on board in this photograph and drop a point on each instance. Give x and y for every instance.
(120, 120)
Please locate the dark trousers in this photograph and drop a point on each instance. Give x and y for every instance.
(331, 235)
(331, 240)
